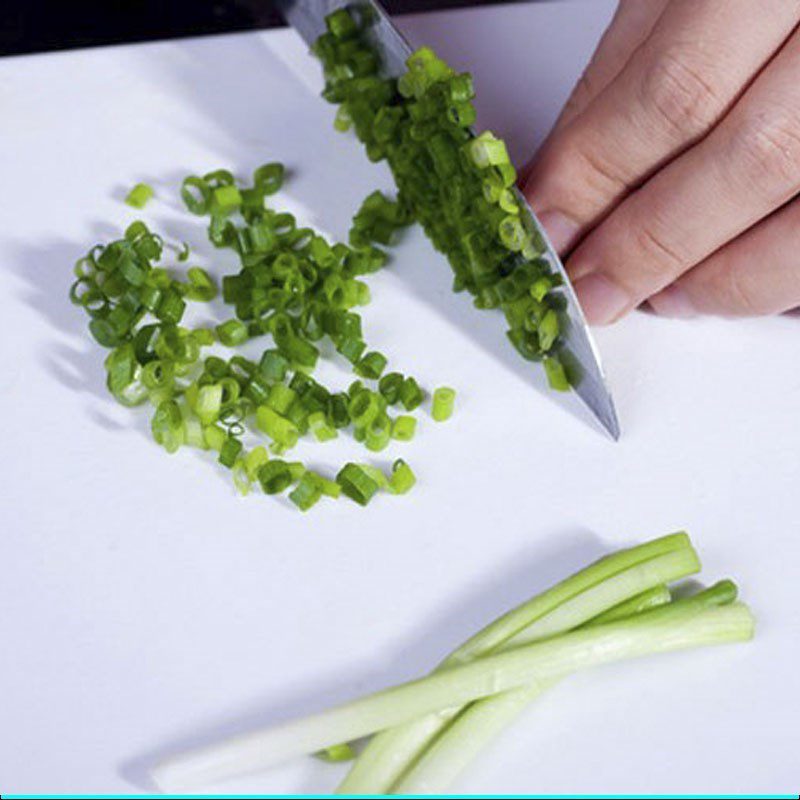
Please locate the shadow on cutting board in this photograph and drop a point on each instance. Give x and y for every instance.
(46, 273)
(500, 588)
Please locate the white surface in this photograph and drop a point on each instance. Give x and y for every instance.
(144, 607)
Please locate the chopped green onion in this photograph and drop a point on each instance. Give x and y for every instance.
(390, 386)
(378, 433)
(171, 307)
(371, 365)
(104, 332)
(341, 24)
(443, 401)
(364, 406)
(376, 474)
(274, 365)
(167, 426)
(540, 287)
(337, 753)
(329, 488)
(254, 460)
(282, 432)
(269, 177)
(404, 427)
(548, 330)
(356, 483)
(307, 492)
(403, 479)
(230, 451)
(241, 480)
(193, 434)
(201, 287)
(139, 195)
(196, 194)
(232, 333)
(293, 285)
(411, 396)
(556, 376)
(300, 352)
(296, 469)
(215, 437)
(337, 410)
(274, 476)
(352, 348)
(458, 186)
(485, 150)
(281, 398)
(219, 177)
(319, 426)
(512, 233)
(158, 374)
(226, 198)
(208, 403)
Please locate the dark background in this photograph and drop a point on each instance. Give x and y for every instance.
(28, 26)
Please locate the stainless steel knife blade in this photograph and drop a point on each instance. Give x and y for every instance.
(583, 363)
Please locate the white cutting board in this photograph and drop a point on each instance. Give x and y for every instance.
(144, 607)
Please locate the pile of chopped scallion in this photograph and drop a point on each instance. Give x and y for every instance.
(426, 731)
(295, 288)
(459, 187)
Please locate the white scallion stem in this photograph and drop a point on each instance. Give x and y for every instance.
(482, 721)
(609, 581)
(537, 663)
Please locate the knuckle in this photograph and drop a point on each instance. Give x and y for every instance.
(661, 256)
(585, 171)
(646, 259)
(768, 147)
(674, 87)
(584, 89)
(740, 295)
(605, 178)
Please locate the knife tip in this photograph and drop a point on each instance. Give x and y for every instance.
(600, 402)
(610, 421)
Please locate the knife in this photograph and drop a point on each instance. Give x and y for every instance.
(579, 354)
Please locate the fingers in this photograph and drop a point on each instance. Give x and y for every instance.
(745, 169)
(758, 273)
(630, 26)
(632, 23)
(674, 88)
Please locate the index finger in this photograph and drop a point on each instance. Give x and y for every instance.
(632, 23)
(630, 26)
(672, 91)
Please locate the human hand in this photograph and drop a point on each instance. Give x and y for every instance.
(673, 172)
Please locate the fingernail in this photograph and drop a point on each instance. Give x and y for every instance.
(602, 300)
(673, 302)
(561, 230)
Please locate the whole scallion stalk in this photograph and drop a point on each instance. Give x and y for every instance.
(611, 580)
(480, 722)
(651, 598)
(662, 630)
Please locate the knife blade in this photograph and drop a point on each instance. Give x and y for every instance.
(582, 359)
